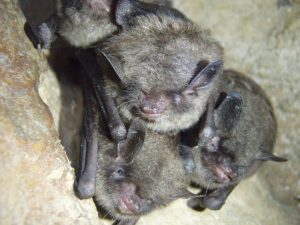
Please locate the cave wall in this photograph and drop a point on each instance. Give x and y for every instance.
(36, 179)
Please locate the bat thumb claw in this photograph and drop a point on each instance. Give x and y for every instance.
(84, 189)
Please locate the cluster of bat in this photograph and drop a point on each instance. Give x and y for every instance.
(159, 111)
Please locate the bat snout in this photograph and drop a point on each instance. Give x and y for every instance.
(153, 106)
(129, 201)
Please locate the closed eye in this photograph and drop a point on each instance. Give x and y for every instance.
(200, 66)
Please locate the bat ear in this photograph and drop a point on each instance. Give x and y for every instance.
(228, 111)
(115, 62)
(268, 156)
(129, 147)
(126, 10)
(205, 76)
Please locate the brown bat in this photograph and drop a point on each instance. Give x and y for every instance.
(135, 176)
(165, 68)
(144, 171)
(166, 84)
(246, 126)
(80, 22)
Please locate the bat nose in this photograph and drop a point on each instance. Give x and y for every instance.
(153, 106)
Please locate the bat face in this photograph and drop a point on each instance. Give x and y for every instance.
(250, 141)
(154, 177)
(167, 67)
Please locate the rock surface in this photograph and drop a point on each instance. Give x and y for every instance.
(261, 39)
(36, 181)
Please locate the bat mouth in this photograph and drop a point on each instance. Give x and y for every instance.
(129, 202)
(223, 176)
(125, 206)
(221, 166)
(149, 115)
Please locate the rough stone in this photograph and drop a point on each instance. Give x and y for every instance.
(36, 181)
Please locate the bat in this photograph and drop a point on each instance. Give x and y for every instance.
(134, 176)
(165, 70)
(168, 83)
(246, 126)
(167, 67)
(80, 22)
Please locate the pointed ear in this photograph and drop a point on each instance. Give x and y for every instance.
(268, 156)
(205, 76)
(115, 63)
(128, 9)
(228, 111)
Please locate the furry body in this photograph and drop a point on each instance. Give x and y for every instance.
(155, 50)
(156, 56)
(156, 172)
(242, 150)
(254, 133)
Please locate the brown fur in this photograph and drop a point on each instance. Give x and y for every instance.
(85, 23)
(159, 55)
(88, 21)
(156, 170)
(253, 135)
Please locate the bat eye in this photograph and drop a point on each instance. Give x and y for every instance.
(119, 173)
(177, 99)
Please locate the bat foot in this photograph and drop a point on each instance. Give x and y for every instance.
(85, 188)
(210, 202)
(213, 203)
(215, 199)
(195, 204)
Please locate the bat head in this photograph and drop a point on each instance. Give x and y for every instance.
(246, 126)
(166, 65)
(153, 177)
